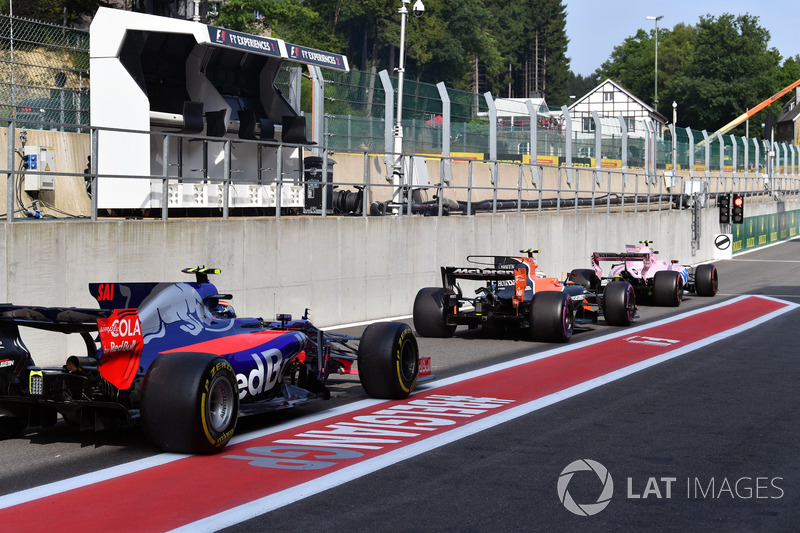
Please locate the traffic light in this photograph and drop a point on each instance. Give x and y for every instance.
(737, 209)
(724, 204)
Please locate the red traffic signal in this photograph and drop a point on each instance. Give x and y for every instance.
(737, 209)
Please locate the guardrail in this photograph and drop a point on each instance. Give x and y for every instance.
(453, 185)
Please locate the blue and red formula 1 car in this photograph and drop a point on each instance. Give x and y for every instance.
(175, 358)
(653, 280)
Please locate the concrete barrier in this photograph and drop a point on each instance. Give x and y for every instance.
(345, 269)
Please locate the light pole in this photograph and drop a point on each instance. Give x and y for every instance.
(655, 97)
(397, 166)
(674, 137)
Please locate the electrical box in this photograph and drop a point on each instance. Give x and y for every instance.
(39, 159)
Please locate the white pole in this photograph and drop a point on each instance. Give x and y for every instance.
(397, 167)
(11, 38)
(655, 91)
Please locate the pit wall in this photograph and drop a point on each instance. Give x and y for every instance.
(345, 269)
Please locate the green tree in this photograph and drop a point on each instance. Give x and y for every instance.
(533, 44)
(730, 69)
(552, 23)
(455, 42)
(789, 73)
(578, 85)
(632, 65)
(285, 19)
(53, 11)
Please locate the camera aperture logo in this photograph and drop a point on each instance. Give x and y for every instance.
(585, 509)
(588, 478)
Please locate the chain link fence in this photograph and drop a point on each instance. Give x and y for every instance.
(44, 74)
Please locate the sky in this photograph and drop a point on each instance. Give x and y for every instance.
(595, 27)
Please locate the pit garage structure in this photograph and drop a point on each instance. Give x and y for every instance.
(197, 103)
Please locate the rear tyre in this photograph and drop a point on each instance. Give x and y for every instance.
(619, 303)
(552, 318)
(667, 288)
(388, 360)
(190, 403)
(585, 277)
(429, 313)
(706, 281)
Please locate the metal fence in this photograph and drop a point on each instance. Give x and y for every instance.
(44, 83)
(547, 159)
(44, 74)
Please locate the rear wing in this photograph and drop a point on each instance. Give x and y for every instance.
(450, 275)
(60, 319)
(624, 256)
(13, 352)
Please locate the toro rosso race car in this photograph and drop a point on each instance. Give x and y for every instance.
(513, 294)
(174, 358)
(653, 280)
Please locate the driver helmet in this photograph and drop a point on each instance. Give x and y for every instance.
(222, 310)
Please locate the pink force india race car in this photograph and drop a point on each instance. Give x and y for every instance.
(653, 280)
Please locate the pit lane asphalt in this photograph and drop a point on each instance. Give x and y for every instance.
(727, 412)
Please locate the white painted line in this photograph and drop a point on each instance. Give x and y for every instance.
(51, 489)
(272, 502)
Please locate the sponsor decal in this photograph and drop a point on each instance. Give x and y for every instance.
(483, 272)
(8, 362)
(121, 341)
(105, 292)
(244, 41)
(317, 57)
(520, 284)
(425, 367)
(362, 434)
(651, 341)
(265, 374)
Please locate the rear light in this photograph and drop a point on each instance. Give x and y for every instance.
(36, 383)
(26, 109)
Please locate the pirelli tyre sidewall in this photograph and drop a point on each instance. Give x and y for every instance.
(388, 360)
(551, 317)
(190, 403)
(706, 280)
(619, 303)
(667, 288)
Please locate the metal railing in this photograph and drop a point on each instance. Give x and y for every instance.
(454, 185)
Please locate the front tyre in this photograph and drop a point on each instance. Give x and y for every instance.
(552, 318)
(619, 303)
(667, 288)
(190, 403)
(388, 360)
(429, 313)
(706, 280)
